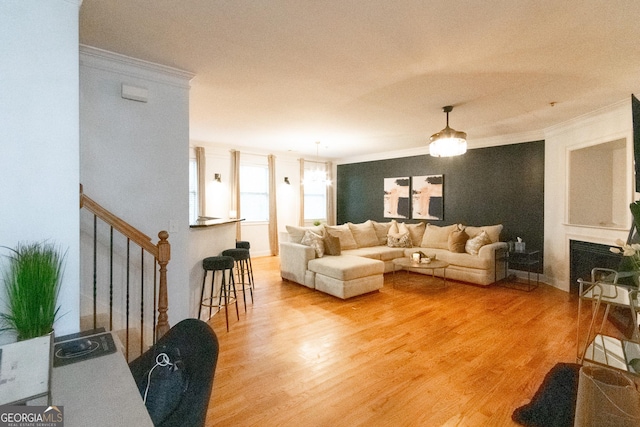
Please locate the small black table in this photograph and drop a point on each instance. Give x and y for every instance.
(527, 260)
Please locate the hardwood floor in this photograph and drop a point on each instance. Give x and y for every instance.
(409, 355)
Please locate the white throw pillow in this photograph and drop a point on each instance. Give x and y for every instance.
(315, 241)
(343, 232)
(437, 237)
(297, 233)
(364, 234)
(473, 245)
(382, 230)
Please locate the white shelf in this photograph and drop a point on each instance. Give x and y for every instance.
(612, 352)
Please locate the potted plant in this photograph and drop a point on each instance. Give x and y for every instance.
(32, 280)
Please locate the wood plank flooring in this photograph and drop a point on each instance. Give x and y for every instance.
(409, 355)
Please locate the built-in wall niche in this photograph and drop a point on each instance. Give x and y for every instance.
(598, 185)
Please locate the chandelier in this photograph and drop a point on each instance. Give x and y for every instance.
(448, 142)
(317, 175)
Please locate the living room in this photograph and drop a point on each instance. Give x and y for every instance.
(55, 142)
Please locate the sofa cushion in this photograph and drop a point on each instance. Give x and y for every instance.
(315, 241)
(332, 245)
(467, 261)
(297, 233)
(473, 245)
(383, 253)
(381, 229)
(416, 231)
(437, 237)
(364, 234)
(346, 267)
(493, 231)
(457, 241)
(342, 232)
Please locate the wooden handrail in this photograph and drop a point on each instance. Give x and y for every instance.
(122, 226)
(161, 252)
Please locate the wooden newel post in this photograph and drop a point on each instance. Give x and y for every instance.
(164, 254)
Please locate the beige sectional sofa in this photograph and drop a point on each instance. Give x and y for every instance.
(351, 259)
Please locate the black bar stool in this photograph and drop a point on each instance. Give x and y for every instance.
(243, 244)
(227, 290)
(241, 256)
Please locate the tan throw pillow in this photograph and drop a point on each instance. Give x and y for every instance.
(297, 233)
(473, 245)
(343, 233)
(457, 241)
(416, 231)
(331, 245)
(399, 240)
(437, 237)
(381, 229)
(315, 241)
(493, 231)
(393, 228)
(364, 234)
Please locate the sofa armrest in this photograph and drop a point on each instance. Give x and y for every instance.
(294, 258)
(488, 251)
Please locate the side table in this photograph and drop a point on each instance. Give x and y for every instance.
(528, 260)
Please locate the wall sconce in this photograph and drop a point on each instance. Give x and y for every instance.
(217, 177)
(286, 180)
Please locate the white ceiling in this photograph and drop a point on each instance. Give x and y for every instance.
(367, 76)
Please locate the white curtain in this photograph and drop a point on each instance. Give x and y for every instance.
(273, 211)
(301, 213)
(331, 214)
(201, 167)
(235, 189)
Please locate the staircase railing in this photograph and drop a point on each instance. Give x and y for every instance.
(112, 267)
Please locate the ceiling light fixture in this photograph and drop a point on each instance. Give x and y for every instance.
(448, 142)
(317, 174)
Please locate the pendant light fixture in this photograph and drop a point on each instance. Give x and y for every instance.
(448, 142)
(317, 174)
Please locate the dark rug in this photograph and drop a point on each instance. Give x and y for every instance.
(554, 404)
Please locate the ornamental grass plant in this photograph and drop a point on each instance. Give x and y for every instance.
(32, 279)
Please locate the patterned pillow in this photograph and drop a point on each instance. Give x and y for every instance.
(399, 240)
(315, 241)
(473, 245)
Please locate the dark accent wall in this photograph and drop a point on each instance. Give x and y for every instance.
(485, 186)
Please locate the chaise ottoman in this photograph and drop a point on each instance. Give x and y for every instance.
(346, 276)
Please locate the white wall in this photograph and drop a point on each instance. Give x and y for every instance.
(39, 165)
(134, 155)
(218, 160)
(606, 125)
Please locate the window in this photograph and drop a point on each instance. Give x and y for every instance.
(315, 194)
(254, 192)
(193, 191)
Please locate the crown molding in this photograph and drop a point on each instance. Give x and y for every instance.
(105, 60)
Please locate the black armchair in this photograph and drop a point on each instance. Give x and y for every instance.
(186, 395)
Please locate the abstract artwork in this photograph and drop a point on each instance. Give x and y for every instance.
(396, 197)
(427, 194)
